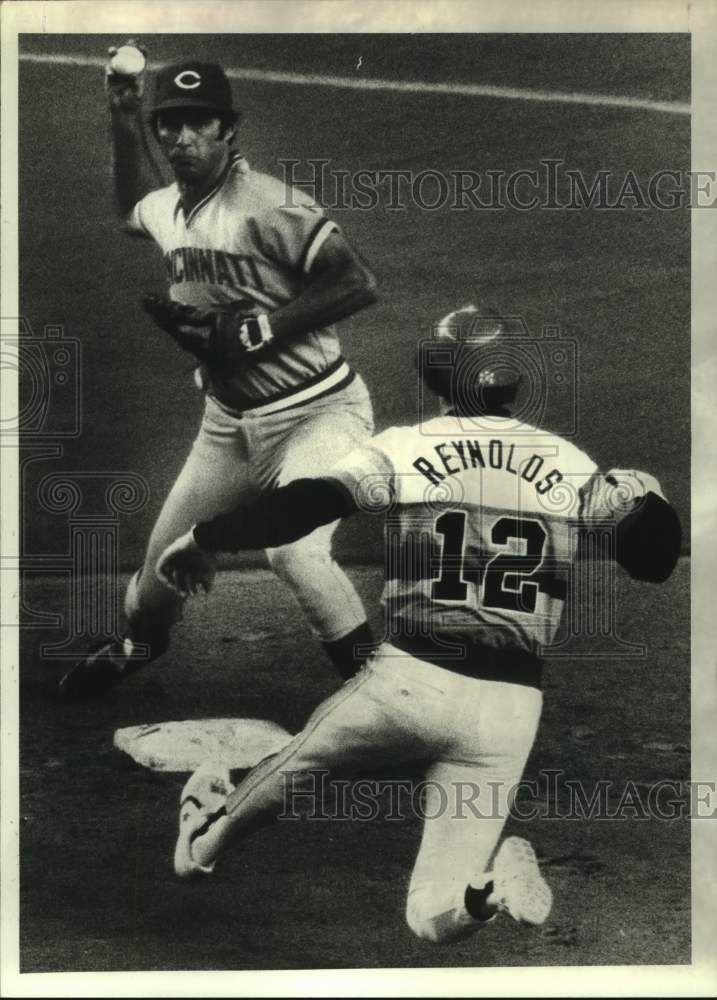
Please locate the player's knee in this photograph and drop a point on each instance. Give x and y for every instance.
(436, 918)
(423, 920)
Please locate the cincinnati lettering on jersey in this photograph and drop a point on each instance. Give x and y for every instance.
(215, 267)
(458, 456)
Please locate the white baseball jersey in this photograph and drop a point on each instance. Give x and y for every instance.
(248, 245)
(481, 531)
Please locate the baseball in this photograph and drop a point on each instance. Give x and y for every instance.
(127, 61)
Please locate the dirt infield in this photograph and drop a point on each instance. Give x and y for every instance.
(98, 892)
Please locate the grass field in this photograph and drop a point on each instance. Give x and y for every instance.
(97, 831)
(615, 283)
(98, 892)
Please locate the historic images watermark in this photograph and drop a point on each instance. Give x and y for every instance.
(425, 549)
(314, 796)
(485, 353)
(45, 371)
(549, 185)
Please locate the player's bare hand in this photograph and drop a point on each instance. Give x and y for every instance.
(185, 568)
(125, 76)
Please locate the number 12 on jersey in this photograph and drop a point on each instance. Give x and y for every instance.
(506, 577)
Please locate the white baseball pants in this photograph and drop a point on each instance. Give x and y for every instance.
(476, 736)
(233, 461)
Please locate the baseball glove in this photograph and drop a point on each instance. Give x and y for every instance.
(215, 338)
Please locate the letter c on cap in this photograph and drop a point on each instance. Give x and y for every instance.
(188, 79)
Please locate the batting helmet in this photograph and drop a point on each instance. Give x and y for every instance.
(468, 362)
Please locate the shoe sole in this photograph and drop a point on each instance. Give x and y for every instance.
(215, 772)
(195, 817)
(525, 894)
(191, 827)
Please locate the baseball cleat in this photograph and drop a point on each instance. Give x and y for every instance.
(103, 667)
(519, 887)
(201, 807)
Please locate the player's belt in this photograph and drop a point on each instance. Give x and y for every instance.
(334, 378)
(511, 666)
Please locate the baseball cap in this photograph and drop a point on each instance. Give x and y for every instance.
(192, 84)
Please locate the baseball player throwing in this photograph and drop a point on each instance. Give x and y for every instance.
(257, 276)
(484, 514)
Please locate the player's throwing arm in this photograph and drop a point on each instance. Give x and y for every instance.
(257, 276)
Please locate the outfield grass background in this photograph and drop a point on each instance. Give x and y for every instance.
(97, 832)
(616, 283)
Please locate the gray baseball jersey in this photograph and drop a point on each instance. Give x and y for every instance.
(481, 534)
(249, 245)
